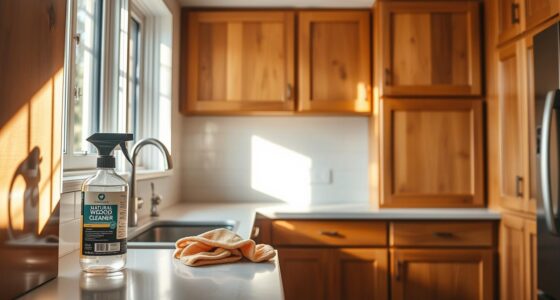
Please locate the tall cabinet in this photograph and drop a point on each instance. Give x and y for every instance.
(509, 34)
(427, 75)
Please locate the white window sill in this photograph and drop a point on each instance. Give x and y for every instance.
(72, 180)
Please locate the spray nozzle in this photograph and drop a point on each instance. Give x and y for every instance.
(106, 143)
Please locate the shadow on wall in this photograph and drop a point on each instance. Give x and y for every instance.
(31, 95)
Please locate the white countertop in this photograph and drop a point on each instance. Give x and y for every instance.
(368, 212)
(155, 274)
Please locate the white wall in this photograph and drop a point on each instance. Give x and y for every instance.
(219, 156)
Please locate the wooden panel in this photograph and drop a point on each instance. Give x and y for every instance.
(238, 61)
(262, 231)
(361, 273)
(334, 61)
(431, 153)
(531, 273)
(531, 158)
(538, 11)
(335, 233)
(429, 48)
(31, 99)
(442, 274)
(454, 234)
(511, 20)
(511, 101)
(305, 273)
(512, 256)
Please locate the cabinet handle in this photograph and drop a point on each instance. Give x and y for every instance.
(330, 233)
(443, 234)
(398, 270)
(256, 232)
(289, 92)
(388, 79)
(515, 13)
(519, 186)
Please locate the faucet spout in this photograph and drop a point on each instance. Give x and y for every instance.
(134, 202)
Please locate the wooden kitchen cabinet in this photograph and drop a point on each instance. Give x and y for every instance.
(238, 61)
(334, 61)
(334, 273)
(425, 274)
(511, 126)
(429, 48)
(518, 255)
(431, 153)
(517, 16)
(360, 273)
(538, 11)
(509, 19)
(305, 273)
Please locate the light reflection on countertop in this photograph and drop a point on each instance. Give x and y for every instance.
(155, 274)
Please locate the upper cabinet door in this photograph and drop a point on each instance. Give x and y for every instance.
(510, 18)
(334, 61)
(431, 153)
(238, 61)
(512, 132)
(538, 11)
(429, 48)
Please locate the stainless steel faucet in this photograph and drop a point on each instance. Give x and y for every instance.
(134, 202)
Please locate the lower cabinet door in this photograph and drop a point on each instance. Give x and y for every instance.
(334, 273)
(360, 273)
(305, 273)
(442, 274)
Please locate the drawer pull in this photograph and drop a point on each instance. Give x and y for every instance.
(330, 233)
(443, 235)
(256, 232)
(398, 270)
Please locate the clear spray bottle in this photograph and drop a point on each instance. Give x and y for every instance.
(105, 209)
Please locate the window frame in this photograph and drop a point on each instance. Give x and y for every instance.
(111, 106)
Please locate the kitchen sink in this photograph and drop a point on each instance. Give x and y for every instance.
(163, 234)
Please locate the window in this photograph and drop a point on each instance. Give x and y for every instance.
(83, 105)
(112, 52)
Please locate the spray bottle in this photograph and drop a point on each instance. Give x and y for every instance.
(105, 209)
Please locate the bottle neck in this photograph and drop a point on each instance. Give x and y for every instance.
(106, 170)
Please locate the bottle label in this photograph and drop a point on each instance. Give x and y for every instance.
(104, 220)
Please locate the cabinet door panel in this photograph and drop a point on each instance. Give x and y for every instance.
(538, 11)
(238, 61)
(361, 273)
(305, 273)
(511, 127)
(510, 19)
(429, 48)
(334, 61)
(431, 153)
(442, 274)
(512, 255)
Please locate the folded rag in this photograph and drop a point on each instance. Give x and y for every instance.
(219, 246)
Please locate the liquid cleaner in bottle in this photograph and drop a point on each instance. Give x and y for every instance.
(105, 209)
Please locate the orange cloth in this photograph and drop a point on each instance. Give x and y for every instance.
(219, 246)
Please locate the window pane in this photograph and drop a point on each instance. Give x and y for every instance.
(87, 73)
(134, 77)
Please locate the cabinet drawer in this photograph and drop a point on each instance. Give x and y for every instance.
(335, 233)
(443, 234)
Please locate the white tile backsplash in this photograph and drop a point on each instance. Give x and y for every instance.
(217, 155)
(69, 229)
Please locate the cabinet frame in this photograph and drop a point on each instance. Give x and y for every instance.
(474, 49)
(388, 197)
